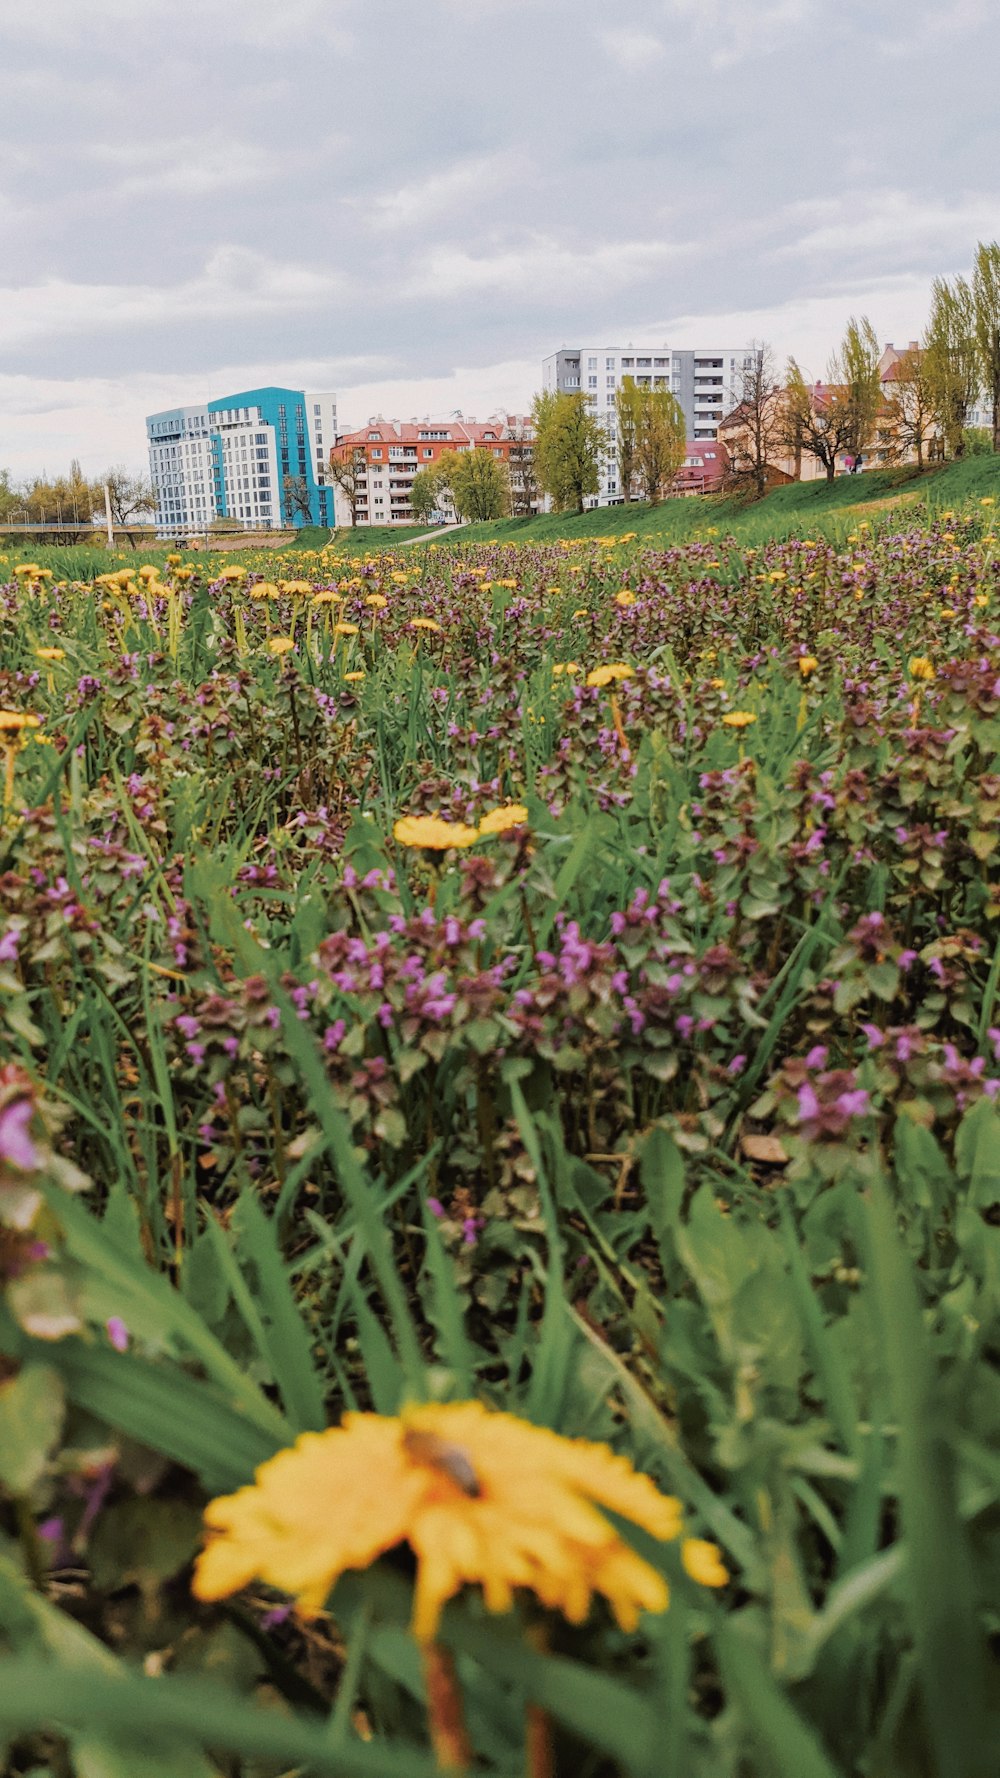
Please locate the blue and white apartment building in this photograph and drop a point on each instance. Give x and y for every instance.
(229, 459)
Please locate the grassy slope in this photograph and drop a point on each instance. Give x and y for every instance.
(799, 507)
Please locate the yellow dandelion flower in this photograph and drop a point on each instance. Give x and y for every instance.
(12, 721)
(947, 611)
(987, 500)
(625, 597)
(703, 1562)
(352, 678)
(298, 589)
(27, 570)
(716, 684)
(148, 572)
(233, 572)
(377, 601)
(174, 561)
(483, 1499)
(280, 644)
(424, 623)
(738, 719)
(345, 629)
(981, 599)
(581, 613)
(399, 577)
(327, 596)
(921, 667)
(433, 832)
(264, 589)
(499, 820)
(807, 664)
(569, 668)
(50, 654)
(606, 675)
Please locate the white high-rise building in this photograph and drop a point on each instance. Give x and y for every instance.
(258, 458)
(705, 380)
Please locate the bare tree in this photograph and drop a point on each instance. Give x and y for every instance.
(762, 428)
(297, 501)
(349, 472)
(129, 497)
(524, 489)
(910, 405)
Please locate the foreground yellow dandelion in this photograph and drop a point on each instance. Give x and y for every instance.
(499, 820)
(424, 623)
(921, 667)
(50, 654)
(606, 675)
(739, 719)
(280, 644)
(807, 664)
(12, 721)
(569, 668)
(433, 832)
(625, 597)
(377, 601)
(483, 1499)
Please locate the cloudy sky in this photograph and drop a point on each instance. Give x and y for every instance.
(412, 201)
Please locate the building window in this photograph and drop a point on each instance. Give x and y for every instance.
(376, 453)
(610, 382)
(591, 382)
(591, 363)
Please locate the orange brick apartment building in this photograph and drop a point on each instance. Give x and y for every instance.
(394, 450)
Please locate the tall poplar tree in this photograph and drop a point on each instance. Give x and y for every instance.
(951, 358)
(986, 301)
(569, 440)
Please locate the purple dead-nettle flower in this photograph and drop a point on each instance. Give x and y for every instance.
(16, 1146)
(117, 1333)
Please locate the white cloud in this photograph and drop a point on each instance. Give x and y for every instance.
(445, 192)
(884, 225)
(236, 284)
(196, 166)
(258, 22)
(542, 269)
(633, 50)
(735, 30)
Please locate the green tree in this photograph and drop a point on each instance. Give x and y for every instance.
(424, 494)
(986, 301)
(477, 483)
(568, 444)
(952, 358)
(839, 417)
(660, 443)
(627, 409)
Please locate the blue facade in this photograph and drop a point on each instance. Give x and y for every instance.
(285, 410)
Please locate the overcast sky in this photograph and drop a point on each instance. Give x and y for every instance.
(411, 202)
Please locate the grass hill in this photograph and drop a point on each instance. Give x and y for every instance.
(799, 508)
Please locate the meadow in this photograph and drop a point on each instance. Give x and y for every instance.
(550, 974)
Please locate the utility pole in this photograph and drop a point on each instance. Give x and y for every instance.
(107, 514)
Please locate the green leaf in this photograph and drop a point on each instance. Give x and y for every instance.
(32, 1406)
(787, 1744)
(661, 1170)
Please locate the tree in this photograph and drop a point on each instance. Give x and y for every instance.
(297, 501)
(568, 444)
(986, 300)
(424, 495)
(952, 359)
(628, 408)
(477, 482)
(836, 418)
(521, 469)
(910, 405)
(349, 473)
(130, 495)
(661, 443)
(761, 437)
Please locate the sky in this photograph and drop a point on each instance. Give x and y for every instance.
(412, 202)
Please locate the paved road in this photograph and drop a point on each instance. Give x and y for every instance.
(429, 536)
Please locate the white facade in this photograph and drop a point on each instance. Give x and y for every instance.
(706, 382)
(229, 459)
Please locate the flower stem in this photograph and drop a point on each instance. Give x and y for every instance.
(539, 1750)
(445, 1710)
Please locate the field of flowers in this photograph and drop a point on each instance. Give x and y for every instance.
(544, 1004)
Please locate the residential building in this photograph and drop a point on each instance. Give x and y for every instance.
(704, 469)
(705, 380)
(229, 459)
(390, 452)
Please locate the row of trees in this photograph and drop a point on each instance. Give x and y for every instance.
(921, 412)
(571, 445)
(71, 504)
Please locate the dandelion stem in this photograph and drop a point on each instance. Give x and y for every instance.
(445, 1710)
